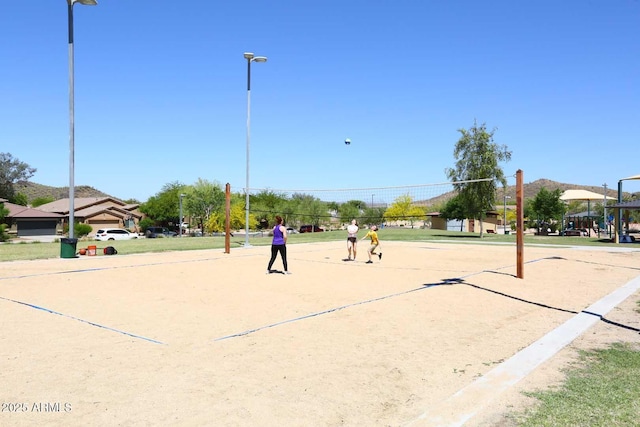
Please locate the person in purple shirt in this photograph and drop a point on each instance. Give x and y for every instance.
(279, 244)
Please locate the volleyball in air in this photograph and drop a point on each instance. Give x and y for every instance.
(347, 141)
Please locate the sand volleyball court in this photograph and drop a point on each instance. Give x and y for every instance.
(207, 338)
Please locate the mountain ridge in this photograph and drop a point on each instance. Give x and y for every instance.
(34, 190)
(531, 189)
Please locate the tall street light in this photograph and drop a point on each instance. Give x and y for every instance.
(504, 225)
(250, 57)
(604, 214)
(72, 195)
(180, 219)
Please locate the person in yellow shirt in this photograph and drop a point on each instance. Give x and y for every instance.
(375, 242)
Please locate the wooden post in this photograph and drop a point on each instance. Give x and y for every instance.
(227, 218)
(520, 224)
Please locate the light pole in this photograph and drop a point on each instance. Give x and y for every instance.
(180, 219)
(72, 195)
(504, 225)
(250, 57)
(604, 213)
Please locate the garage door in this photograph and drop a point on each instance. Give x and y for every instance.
(36, 228)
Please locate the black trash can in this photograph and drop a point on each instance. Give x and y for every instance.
(68, 247)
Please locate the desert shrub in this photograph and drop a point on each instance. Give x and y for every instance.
(4, 237)
(79, 230)
(146, 223)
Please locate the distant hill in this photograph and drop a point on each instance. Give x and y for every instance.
(531, 189)
(34, 191)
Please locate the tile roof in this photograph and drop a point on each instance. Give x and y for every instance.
(62, 205)
(19, 211)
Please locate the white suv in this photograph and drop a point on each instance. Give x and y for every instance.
(115, 234)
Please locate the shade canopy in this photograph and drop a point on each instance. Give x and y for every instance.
(631, 178)
(630, 205)
(583, 195)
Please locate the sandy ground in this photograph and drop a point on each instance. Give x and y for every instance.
(207, 338)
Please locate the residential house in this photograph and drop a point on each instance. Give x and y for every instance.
(98, 212)
(23, 221)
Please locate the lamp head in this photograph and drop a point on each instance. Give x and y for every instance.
(252, 58)
(84, 2)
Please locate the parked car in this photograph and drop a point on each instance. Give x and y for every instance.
(115, 234)
(153, 232)
(308, 229)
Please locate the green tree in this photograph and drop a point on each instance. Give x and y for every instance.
(478, 157)
(309, 209)
(146, 223)
(203, 199)
(164, 207)
(264, 206)
(39, 201)
(373, 215)
(575, 206)
(12, 171)
(317, 211)
(20, 199)
(547, 207)
(454, 209)
(350, 210)
(333, 206)
(404, 209)
(288, 213)
(3, 213)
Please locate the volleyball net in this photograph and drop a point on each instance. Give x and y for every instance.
(333, 208)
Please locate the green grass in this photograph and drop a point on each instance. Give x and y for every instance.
(29, 251)
(35, 250)
(605, 392)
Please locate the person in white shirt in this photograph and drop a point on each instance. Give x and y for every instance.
(352, 239)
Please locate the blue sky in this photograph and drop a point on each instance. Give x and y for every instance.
(160, 90)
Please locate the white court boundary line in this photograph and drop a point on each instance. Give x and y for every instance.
(459, 408)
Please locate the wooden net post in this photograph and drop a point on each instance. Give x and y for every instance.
(227, 218)
(520, 224)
